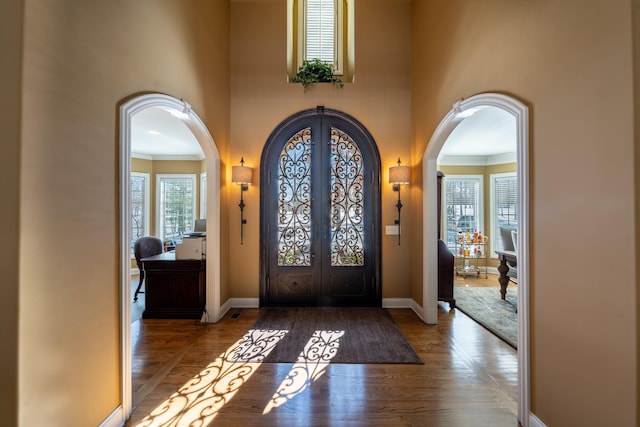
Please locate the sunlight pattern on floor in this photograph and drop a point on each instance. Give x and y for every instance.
(199, 400)
(311, 364)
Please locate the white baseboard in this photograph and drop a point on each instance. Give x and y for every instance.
(535, 421)
(396, 302)
(114, 419)
(403, 303)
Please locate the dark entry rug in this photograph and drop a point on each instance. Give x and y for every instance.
(335, 334)
(484, 305)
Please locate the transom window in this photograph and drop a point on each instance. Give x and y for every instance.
(320, 29)
(320, 35)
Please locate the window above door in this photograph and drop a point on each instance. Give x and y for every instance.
(321, 29)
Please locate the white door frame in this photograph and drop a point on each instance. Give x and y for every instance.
(462, 109)
(183, 111)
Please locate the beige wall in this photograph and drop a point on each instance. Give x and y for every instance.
(570, 62)
(82, 59)
(262, 98)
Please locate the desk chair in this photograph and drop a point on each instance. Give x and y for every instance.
(145, 247)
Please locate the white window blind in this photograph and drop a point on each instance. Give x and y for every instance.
(462, 205)
(504, 201)
(320, 30)
(176, 205)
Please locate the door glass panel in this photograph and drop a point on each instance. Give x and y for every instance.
(294, 201)
(347, 199)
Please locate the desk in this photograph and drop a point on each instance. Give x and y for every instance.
(503, 268)
(174, 289)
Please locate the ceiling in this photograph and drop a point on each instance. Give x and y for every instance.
(157, 134)
(486, 137)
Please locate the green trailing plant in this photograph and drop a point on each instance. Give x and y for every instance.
(316, 71)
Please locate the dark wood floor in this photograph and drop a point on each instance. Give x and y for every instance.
(469, 378)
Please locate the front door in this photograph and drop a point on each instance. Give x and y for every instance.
(320, 212)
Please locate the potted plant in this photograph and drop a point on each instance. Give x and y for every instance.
(316, 71)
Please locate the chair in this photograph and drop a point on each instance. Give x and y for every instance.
(145, 247)
(509, 238)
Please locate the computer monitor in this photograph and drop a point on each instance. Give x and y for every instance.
(200, 226)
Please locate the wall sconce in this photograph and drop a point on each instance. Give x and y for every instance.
(242, 175)
(399, 175)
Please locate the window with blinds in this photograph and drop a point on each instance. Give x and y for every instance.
(176, 201)
(504, 201)
(462, 206)
(139, 195)
(321, 29)
(320, 35)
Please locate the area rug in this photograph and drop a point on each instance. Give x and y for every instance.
(340, 335)
(484, 305)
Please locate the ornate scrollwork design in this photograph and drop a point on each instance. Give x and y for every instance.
(294, 201)
(347, 201)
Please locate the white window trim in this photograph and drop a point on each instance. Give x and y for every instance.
(480, 207)
(159, 178)
(203, 196)
(492, 206)
(147, 201)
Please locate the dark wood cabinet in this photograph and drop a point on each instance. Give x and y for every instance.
(174, 289)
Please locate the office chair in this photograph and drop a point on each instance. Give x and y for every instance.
(145, 247)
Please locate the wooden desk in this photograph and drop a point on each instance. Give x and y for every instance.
(174, 289)
(503, 268)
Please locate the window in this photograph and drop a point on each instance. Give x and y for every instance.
(176, 201)
(321, 29)
(504, 201)
(320, 35)
(139, 206)
(462, 205)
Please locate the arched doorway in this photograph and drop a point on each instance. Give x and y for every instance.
(462, 109)
(320, 212)
(181, 109)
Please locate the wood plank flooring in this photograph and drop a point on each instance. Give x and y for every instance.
(469, 378)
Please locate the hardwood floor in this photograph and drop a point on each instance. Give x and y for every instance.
(469, 378)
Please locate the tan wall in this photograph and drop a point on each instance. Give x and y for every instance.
(262, 98)
(82, 59)
(11, 27)
(570, 62)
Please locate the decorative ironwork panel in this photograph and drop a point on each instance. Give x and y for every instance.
(294, 201)
(347, 201)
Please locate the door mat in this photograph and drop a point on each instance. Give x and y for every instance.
(361, 335)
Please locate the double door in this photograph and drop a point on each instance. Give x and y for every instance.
(320, 221)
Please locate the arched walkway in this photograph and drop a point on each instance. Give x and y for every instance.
(181, 109)
(462, 109)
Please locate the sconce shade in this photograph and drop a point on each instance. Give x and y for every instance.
(399, 174)
(241, 174)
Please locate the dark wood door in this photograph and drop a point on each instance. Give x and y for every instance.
(320, 212)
